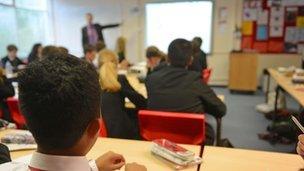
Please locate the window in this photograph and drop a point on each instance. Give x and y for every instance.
(25, 23)
(6, 2)
(168, 21)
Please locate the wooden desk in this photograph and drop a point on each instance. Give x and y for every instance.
(214, 158)
(285, 83)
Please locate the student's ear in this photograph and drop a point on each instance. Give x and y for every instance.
(93, 128)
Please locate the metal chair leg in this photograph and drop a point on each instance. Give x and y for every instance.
(218, 131)
(201, 155)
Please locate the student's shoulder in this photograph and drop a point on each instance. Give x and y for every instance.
(4, 58)
(194, 75)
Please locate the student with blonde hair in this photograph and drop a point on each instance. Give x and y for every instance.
(115, 88)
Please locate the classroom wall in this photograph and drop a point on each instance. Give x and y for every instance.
(69, 18)
(223, 44)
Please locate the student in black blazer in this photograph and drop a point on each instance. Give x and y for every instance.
(115, 88)
(175, 88)
(92, 33)
(6, 90)
(199, 62)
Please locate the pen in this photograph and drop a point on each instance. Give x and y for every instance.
(295, 120)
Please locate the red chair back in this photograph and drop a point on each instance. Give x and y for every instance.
(206, 74)
(103, 129)
(177, 127)
(17, 116)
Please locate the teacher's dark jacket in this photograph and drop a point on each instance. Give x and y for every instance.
(179, 90)
(113, 111)
(98, 28)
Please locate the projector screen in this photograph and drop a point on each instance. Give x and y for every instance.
(168, 21)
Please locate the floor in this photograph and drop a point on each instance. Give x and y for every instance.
(242, 122)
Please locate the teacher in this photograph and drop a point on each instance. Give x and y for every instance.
(92, 33)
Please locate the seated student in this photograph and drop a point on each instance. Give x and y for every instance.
(36, 53)
(6, 90)
(156, 59)
(176, 89)
(115, 88)
(60, 99)
(11, 58)
(89, 53)
(199, 62)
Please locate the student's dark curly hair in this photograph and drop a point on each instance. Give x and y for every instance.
(59, 97)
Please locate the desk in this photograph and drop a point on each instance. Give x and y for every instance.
(286, 84)
(214, 158)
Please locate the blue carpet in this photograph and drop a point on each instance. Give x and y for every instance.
(242, 122)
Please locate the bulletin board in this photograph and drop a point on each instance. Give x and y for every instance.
(273, 26)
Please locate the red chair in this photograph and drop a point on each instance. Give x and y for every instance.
(103, 129)
(182, 128)
(206, 74)
(17, 116)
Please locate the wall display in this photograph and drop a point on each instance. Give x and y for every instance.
(262, 33)
(300, 22)
(276, 31)
(291, 15)
(250, 14)
(262, 17)
(273, 26)
(301, 48)
(291, 35)
(247, 28)
(261, 47)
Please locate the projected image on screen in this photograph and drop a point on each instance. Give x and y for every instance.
(168, 21)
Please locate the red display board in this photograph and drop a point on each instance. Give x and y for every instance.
(273, 26)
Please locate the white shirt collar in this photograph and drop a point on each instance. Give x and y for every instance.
(59, 163)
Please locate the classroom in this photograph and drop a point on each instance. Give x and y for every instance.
(160, 85)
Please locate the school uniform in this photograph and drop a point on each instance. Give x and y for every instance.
(44, 162)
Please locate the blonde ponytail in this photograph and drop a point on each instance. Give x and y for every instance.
(108, 76)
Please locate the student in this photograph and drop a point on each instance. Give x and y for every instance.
(6, 90)
(11, 58)
(199, 62)
(176, 89)
(60, 99)
(156, 59)
(92, 32)
(115, 88)
(36, 53)
(89, 54)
